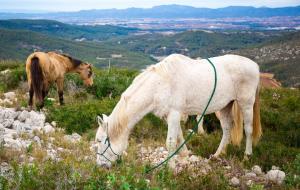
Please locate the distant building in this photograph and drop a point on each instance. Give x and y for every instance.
(116, 55)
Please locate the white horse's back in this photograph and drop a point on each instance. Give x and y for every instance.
(190, 82)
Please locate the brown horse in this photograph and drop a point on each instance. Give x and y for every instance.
(44, 69)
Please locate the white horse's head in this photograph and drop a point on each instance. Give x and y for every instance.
(106, 154)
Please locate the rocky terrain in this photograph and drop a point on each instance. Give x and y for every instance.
(198, 166)
(22, 129)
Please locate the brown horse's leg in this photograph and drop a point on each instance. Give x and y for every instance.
(60, 87)
(45, 90)
(31, 92)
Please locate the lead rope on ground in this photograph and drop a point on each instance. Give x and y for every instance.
(195, 128)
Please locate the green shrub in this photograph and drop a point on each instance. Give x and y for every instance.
(111, 83)
(80, 116)
(12, 79)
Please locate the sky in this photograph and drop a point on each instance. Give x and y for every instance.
(75, 5)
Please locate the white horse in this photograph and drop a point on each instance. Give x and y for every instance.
(179, 86)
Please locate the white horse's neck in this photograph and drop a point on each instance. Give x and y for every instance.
(127, 113)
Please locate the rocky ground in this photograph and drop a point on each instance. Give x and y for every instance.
(201, 166)
(22, 130)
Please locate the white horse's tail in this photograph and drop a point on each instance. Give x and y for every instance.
(257, 131)
(237, 129)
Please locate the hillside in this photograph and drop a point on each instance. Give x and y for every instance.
(193, 43)
(18, 44)
(76, 32)
(280, 56)
(55, 148)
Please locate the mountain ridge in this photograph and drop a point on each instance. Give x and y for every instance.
(167, 11)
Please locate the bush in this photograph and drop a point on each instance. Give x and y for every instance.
(80, 116)
(12, 79)
(111, 83)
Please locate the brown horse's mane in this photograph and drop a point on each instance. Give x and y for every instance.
(74, 61)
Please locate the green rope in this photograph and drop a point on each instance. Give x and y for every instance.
(195, 128)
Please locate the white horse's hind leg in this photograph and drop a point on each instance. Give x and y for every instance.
(173, 132)
(200, 126)
(226, 123)
(248, 120)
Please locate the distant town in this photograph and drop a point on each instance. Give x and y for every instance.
(244, 23)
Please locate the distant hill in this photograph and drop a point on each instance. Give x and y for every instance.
(55, 28)
(193, 43)
(165, 11)
(280, 56)
(18, 44)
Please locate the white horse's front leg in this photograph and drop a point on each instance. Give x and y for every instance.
(183, 151)
(173, 132)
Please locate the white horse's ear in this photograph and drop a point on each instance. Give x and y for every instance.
(105, 118)
(100, 120)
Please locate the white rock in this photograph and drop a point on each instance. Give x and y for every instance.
(6, 71)
(10, 96)
(21, 127)
(250, 175)
(52, 154)
(249, 182)
(12, 143)
(235, 181)
(36, 120)
(73, 138)
(2, 129)
(257, 170)
(275, 168)
(7, 123)
(8, 113)
(53, 123)
(276, 176)
(193, 158)
(37, 139)
(30, 159)
(23, 115)
(7, 102)
(48, 129)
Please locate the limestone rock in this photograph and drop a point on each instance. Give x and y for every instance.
(235, 181)
(10, 96)
(257, 170)
(276, 176)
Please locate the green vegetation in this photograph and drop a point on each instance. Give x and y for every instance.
(192, 43)
(18, 44)
(55, 28)
(12, 78)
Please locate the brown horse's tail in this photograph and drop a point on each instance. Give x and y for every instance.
(37, 78)
(237, 130)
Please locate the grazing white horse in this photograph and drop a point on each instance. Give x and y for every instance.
(179, 86)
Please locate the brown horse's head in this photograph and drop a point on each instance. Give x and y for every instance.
(86, 73)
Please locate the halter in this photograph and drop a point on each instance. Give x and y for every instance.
(108, 147)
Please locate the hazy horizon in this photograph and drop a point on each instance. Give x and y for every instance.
(35, 6)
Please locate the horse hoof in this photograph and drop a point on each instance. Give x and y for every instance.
(213, 157)
(246, 157)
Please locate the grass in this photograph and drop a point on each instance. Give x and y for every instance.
(77, 168)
